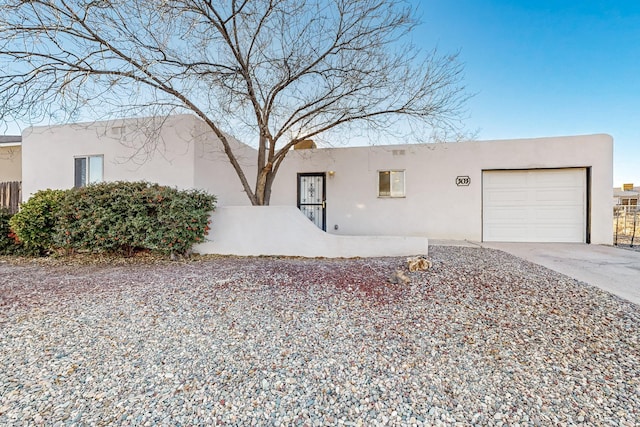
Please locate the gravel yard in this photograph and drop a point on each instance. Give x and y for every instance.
(483, 338)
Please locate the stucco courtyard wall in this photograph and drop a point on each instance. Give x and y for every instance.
(434, 206)
(284, 230)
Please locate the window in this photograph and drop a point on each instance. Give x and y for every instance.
(87, 170)
(391, 183)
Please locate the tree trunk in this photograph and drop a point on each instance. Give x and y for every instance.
(267, 188)
(263, 185)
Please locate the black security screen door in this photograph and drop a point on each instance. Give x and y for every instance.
(312, 196)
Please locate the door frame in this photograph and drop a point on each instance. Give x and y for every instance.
(323, 205)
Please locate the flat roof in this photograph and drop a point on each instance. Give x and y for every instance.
(620, 193)
(10, 140)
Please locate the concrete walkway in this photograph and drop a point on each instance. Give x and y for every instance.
(613, 269)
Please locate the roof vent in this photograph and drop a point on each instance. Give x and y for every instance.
(117, 130)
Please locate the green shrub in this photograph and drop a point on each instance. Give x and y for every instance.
(8, 240)
(124, 217)
(35, 224)
(182, 219)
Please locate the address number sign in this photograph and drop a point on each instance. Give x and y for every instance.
(463, 181)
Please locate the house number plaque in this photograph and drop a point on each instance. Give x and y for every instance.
(462, 181)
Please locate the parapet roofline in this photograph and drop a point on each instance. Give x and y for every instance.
(10, 140)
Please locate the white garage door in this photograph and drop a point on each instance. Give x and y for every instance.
(545, 205)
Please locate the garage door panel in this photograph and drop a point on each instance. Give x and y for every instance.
(536, 216)
(516, 180)
(551, 179)
(558, 234)
(562, 195)
(535, 205)
(508, 198)
(560, 215)
(506, 214)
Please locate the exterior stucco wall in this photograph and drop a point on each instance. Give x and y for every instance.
(177, 151)
(184, 153)
(10, 163)
(434, 205)
(284, 230)
(214, 172)
(133, 149)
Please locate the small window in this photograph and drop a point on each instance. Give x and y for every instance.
(390, 183)
(87, 170)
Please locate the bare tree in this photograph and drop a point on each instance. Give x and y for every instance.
(288, 70)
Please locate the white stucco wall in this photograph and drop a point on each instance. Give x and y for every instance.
(185, 154)
(176, 151)
(214, 172)
(10, 162)
(284, 230)
(132, 149)
(434, 206)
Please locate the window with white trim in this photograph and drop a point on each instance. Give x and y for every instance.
(391, 183)
(87, 170)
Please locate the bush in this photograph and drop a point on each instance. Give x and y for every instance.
(8, 240)
(35, 224)
(182, 219)
(127, 216)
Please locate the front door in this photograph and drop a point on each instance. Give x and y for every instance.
(312, 197)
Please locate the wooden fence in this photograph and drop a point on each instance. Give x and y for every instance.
(10, 195)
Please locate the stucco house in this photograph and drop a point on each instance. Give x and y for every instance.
(627, 197)
(528, 190)
(555, 189)
(10, 158)
(10, 172)
(176, 151)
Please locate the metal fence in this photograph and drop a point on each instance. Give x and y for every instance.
(626, 225)
(10, 195)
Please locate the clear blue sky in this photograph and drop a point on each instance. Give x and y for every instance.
(546, 68)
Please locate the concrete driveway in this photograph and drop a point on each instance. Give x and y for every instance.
(613, 269)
